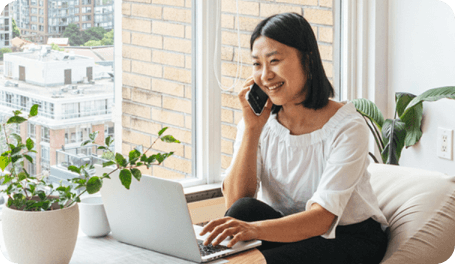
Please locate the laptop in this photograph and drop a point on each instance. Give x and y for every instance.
(153, 214)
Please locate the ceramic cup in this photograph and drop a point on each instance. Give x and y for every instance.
(93, 219)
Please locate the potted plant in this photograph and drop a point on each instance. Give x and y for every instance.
(392, 135)
(40, 221)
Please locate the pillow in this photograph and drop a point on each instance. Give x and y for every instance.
(420, 208)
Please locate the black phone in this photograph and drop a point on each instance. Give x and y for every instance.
(257, 99)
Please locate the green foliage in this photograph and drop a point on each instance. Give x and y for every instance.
(16, 31)
(3, 51)
(56, 47)
(74, 35)
(21, 187)
(392, 135)
(108, 39)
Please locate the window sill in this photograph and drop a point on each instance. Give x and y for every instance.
(203, 192)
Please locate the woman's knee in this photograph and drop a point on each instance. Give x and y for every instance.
(250, 209)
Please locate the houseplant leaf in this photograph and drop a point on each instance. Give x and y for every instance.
(433, 95)
(94, 185)
(125, 178)
(367, 108)
(412, 115)
(393, 134)
(402, 100)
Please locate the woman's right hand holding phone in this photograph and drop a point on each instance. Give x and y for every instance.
(253, 123)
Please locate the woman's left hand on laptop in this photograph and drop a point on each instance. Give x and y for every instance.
(225, 227)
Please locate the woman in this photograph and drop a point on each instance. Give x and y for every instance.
(309, 155)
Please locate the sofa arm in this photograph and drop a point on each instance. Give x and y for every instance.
(420, 208)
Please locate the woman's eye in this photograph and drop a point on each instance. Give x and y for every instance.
(255, 64)
(274, 60)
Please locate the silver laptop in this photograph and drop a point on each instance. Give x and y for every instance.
(153, 214)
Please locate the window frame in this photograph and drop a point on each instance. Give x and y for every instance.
(206, 107)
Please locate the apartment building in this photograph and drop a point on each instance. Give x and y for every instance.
(40, 19)
(74, 101)
(6, 28)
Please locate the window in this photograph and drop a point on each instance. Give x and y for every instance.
(45, 134)
(211, 115)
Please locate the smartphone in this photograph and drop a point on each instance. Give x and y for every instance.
(257, 99)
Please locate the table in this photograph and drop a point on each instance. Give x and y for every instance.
(107, 250)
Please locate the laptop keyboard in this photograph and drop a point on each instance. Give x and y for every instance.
(209, 249)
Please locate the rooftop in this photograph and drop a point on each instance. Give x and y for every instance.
(45, 54)
(102, 88)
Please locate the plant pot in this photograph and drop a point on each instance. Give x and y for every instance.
(40, 237)
(93, 219)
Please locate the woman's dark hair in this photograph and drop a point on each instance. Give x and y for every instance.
(293, 30)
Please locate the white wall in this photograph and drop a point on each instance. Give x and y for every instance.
(421, 57)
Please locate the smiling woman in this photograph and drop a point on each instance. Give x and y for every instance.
(309, 158)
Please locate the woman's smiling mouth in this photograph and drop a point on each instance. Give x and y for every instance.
(276, 86)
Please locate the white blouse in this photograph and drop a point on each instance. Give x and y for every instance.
(327, 166)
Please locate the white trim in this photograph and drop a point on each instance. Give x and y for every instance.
(208, 94)
(118, 72)
(365, 52)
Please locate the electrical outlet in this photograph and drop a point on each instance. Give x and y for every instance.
(444, 143)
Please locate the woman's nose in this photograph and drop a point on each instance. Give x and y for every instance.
(267, 74)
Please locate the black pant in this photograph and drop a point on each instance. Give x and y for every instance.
(361, 243)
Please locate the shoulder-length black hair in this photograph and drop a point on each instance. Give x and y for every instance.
(293, 30)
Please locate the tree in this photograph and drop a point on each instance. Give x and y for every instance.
(108, 38)
(3, 51)
(74, 35)
(16, 31)
(93, 33)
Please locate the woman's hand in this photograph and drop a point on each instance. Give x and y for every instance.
(229, 227)
(252, 121)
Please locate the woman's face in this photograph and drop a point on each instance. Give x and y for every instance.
(278, 70)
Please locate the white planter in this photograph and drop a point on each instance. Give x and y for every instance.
(40, 237)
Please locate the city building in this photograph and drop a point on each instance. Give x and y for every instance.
(6, 27)
(39, 20)
(74, 98)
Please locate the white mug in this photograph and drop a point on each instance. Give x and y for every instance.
(93, 219)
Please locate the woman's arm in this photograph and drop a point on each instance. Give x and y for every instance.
(241, 180)
(291, 228)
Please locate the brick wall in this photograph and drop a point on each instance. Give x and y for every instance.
(157, 69)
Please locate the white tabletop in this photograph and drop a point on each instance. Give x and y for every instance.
(107, 250)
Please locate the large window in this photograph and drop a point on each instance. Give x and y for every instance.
(169, 63)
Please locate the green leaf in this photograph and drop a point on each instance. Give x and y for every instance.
(4, 161)
(136, 173)
(402, 100)
(134, 155)
(86, 142)
(109, 163)
(94, 185)
(125, 178)
(17, 112)
(119, 158)
(34, 110)
(162, 131)
(74, 169)
(413, 120)
(41, 195)
(412, 115)
(432, 95)
(30, 144)
(93, 135)
(108, 141)
(368, 109)
(393, 134)
(30, 159)
(169, 139)
(16, 120)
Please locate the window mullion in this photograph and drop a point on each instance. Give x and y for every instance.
(207, 105)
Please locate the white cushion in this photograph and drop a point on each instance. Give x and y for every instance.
(420, 208)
